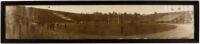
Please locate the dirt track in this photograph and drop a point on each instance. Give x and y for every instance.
(182, 31)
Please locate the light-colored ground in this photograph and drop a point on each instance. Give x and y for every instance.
(182, 31)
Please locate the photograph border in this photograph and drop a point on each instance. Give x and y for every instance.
(194, 3)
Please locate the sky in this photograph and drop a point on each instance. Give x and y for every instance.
(142, 9)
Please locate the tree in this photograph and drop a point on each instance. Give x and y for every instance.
(155, 13)
(125, 13)
(114, 13)
(137, 14)
(97, 13)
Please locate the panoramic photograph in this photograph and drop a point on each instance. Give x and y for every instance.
(99, 22)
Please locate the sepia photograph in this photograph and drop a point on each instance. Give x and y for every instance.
(99, 22)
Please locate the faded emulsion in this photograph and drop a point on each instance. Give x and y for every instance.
(100, 22)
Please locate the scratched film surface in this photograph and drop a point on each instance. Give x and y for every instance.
(99, 22)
